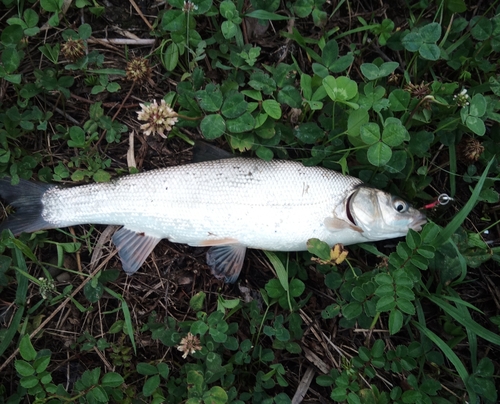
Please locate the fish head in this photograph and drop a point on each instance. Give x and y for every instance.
(381, 215)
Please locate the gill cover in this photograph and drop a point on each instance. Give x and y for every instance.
(382, 215)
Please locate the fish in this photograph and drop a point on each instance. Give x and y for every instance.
(228, 204)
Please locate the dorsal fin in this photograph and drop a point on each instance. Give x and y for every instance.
(207, 152)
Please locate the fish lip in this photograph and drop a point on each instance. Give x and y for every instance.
(418, 222)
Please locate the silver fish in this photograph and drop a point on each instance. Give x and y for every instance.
(229, 205)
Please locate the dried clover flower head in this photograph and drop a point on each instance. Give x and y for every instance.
(462, 98)
(471, 149)
(418, 91)
(159, 118)
(189, 345)
(138, 70)
(73, 49)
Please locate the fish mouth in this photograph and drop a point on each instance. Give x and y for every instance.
(418, 222)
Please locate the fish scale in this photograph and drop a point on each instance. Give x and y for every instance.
(229, 205)
(276, 205)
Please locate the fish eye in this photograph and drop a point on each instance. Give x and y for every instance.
(400, 205)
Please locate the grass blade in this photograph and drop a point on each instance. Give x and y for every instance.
(461, 216)
(450, 355)
(278, 266)
(466, 322)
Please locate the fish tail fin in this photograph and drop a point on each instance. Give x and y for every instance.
(26, 198)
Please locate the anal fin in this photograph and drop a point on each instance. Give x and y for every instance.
(133, 248)
(226, 261)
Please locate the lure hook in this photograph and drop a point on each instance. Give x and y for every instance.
(442, 199)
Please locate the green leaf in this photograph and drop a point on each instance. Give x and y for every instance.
(266, 15)
(11, 35)
(431, 32)
(31, 17)
(41, 363)
(244, 123)
(234, 105)
(229, 29)
(199, 328)
(242, 142)
(485, 368)
(341, 88)
(112, 379)
(163, 370)
(146, 369)
(174, 20)
(386, 303)
(26, 349)
(24, 368)
(264, 153)
(379, 154)
(210, 98)
(370, 133)
(98, 394)
(405, 306)
(197, 301)
(330, 52)
(395, 321)
(297, 287)
(399, 100)
(481, 28)
(373, 72)
(370, 71)
(342, 63)
(394, 134)
(216, 395)
(213, 126)
(352, 310)
(319, 248)
(412, 41)
(290, 96)
(429, 51)
(358, 294)
(101, 176)
(52, 6)
(11, 60)
(170, 57)
(272, 108)
(456, 6)
(476, 125)
(478, 105)
(309, 132)
(29, 382)
(357, 118)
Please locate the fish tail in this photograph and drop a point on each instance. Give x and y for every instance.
(26, 198)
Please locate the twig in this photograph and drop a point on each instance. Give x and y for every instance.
(123, 41)
(134, 4)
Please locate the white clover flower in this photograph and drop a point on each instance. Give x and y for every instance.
(189, 6)
(462, 98)
(159, 118)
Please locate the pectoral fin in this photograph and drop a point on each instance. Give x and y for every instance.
(133, 248)
(226, 261)
(335, 224)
